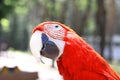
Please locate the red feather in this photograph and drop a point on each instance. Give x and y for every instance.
(81, 62)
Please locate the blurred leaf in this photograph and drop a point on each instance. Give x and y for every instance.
(4, 10)
(7, 2)
(13, 2)
(81, 4)
(94, 5)
(91, 25)
(21, 10)
(5, 24)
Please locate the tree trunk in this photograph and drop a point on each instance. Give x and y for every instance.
(51, 15)
(24, 40)
(69, 17)
(110, 5)
(0, 30)
(101, 23)
(13, 32)
(84, 18)
(63, 11)
(76, 18)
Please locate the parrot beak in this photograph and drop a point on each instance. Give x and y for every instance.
(41, 45)
(36, 44)
(49, 48)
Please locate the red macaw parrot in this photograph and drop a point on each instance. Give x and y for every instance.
(76, 59)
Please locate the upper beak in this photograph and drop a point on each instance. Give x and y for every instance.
(41, 45)
(36, 43)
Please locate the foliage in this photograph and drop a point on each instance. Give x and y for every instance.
(5, 24)
(4, 9)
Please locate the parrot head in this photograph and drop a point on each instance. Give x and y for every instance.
(48, 39)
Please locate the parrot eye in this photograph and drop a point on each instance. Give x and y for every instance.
(56, 26)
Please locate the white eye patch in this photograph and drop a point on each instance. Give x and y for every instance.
(54, 30)
(52, 26)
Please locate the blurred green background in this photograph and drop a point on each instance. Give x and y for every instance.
(97, 21)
